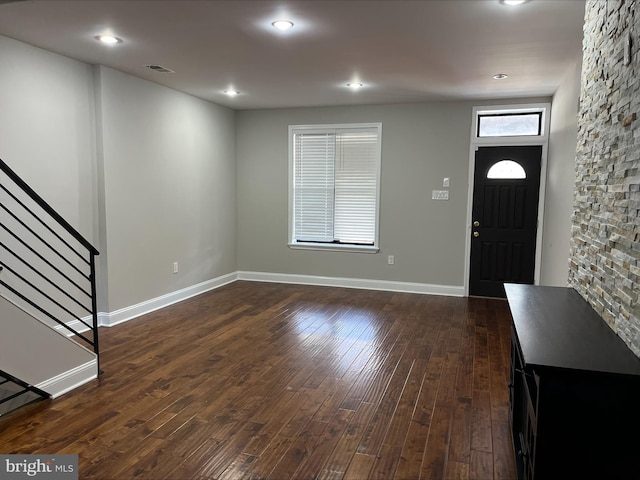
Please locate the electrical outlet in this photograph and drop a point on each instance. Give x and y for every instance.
(175, 267)
(391, 260)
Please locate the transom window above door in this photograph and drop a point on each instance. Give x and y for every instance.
(510, 124)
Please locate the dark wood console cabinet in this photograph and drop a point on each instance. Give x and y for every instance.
(574, 389)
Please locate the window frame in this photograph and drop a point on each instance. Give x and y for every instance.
(538, 113)
(543, 108)
(343, 247)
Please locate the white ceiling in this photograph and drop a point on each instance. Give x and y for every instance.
(403, 51)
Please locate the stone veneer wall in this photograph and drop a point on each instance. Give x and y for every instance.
(605, 245)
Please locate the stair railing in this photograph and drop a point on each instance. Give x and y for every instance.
(47, 267)
(22, 390)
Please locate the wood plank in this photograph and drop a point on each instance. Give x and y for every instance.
(499, 373)
(457, 471)
(312, 466)
(481, 372)
(412, 453)
(299, 450)
(238, 467)
(266, 462)
(481, 422)
(114, 467)
(464, 377)
(503, 460)
(359, 467)
(481, 466)
(338, 389)
(283, 412)
(97, 470)
(460, 446)
(437, 449)
(414, 447)
(447, 388)
(225, 456)
(385, 463)
(198, 461)
(160, 462)
(338, 461)
(378, 426)
(399, 426)
(310, 401)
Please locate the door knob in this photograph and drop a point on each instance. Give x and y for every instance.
(476, 234)
(476, 223)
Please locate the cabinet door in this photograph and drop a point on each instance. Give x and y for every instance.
(529, 435)
(517, 407)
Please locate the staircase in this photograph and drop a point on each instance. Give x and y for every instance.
(48, 315)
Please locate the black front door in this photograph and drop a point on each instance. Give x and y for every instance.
(505, 217)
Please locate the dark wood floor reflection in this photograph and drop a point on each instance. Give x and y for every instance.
(269, 381)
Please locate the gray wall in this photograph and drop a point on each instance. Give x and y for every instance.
(169, 188)
(47, 137)
(147, 174)
(560, 179)
(421, 144)
(47, 128)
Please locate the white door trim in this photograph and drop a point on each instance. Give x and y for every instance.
(475, 143)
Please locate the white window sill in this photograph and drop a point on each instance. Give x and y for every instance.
(334, 247)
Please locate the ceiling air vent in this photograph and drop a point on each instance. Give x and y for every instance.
(159, 68)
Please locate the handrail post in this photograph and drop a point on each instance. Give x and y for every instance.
(94, 310)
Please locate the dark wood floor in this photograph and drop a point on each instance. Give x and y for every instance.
(269, 381)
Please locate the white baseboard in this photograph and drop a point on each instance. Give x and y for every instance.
(360, 283)
(67, 381)
(77, 325)
(128, 313)
(103, 319)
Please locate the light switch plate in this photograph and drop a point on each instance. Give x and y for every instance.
(440, 195)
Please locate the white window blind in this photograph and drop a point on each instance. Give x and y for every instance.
(314, 188)
(335, 185)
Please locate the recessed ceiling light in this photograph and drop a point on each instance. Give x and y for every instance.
(500, 76)
(355, 85)
(231, 93)
(512, 3)
(108, 39)
(282, 24)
